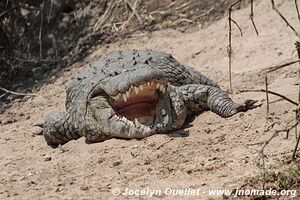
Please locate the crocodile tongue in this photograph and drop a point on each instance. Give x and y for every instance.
(143, 112)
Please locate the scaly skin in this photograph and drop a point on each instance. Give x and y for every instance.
(90, 96)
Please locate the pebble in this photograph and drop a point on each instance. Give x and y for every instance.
(116, 163)
(47, 159)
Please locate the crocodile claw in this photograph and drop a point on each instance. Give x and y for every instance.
(247, 105)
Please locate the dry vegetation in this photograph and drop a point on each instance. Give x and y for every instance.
(288, 177)
(39, 37)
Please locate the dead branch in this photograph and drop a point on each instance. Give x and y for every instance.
(252, 17)
(284, 19)
(8, 11)
(297, 44)
(267, 94)
(274, 93)
(164, 143)
(50, 11)
(287, 129)
(16, 93)
(296, 147)
(272, 69)
(297, 9)
(133, 9)
(131, 16)
(111, 6)
(40, 32)
(275, 134)
(229, 49)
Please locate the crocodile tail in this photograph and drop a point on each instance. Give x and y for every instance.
(58, 129)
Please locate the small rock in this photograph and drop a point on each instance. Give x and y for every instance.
(32, 183)
(47, 159)
(207, 130)
(100, 160)
(83, 187)
(36, 130)
(147, 162)
(8, 121)
(116, 163)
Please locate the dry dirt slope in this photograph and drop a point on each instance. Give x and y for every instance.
(216, 154)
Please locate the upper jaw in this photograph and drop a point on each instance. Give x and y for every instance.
(137, 88)
(131, 79)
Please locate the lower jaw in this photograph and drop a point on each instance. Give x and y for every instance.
(143, 112)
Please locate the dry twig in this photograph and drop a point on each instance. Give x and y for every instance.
(229, 48)
(252, 17)
(284, 19)
(297, 9)
(274, 93)
(162, 144)
(297, 44)
(133, 9)
(40, 32)
(8, 11)
(267, 94)
(296, 147)
(16, 93)
(272, 69)
(111, 6)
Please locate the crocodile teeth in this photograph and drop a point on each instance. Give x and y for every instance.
(136, 89)
(131, 88)
(113, 117)
(125, 97)
(130, 123)
(127, 94)
(147, 128)
(137, 123)
(166, 119)
(157, 85)
(141, 87)
(118, 96)
(148, 84)
(162, 88)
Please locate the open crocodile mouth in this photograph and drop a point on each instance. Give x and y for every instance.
(139, 103)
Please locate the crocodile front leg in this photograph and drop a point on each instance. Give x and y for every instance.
(59, 129)
(202, 97)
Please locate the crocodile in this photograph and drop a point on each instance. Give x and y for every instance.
(134, 94)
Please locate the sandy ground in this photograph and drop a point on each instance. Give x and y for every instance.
(217, 153)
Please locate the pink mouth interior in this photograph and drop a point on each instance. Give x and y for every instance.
(139, 106)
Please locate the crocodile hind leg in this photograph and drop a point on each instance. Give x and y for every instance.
(203, 97)
(58, 129)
